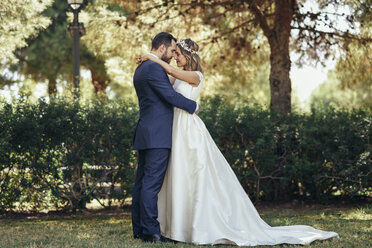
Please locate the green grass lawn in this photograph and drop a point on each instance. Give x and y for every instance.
(113, 228)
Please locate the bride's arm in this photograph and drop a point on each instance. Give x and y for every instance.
(189, 76)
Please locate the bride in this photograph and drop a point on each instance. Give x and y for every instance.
(201, 200)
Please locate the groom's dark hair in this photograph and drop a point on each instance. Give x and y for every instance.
(162, 38)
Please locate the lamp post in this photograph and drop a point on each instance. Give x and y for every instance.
(76, 29)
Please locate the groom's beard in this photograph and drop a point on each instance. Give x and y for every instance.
(166, 59)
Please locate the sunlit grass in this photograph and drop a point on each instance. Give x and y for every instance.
(113, 228)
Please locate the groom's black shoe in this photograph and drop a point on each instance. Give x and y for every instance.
(153, 238)
(137, 236)
(169, 240)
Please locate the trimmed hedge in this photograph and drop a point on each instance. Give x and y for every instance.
(321, 156)
(64, 154)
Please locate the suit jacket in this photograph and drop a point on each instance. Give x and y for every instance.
(156, 98)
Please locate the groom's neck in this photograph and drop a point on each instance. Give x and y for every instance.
(156, 52)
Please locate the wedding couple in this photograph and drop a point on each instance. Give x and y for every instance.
(185, 190)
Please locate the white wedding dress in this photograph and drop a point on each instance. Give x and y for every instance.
(202, 201)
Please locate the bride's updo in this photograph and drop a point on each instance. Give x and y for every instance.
(190, 50)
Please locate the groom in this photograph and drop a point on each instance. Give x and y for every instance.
(153, 135)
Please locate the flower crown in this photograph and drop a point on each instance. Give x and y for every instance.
(183, 44)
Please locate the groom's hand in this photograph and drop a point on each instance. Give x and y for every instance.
(197, 109)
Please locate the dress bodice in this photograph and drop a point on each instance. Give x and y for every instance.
(187, 90)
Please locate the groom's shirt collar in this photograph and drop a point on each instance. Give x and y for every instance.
(154, 55)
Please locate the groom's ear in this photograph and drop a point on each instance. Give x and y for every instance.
(162, 48)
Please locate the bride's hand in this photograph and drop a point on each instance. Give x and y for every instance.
(142, 58)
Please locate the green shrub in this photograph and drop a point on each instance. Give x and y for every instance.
(321, 156)
(64, 154)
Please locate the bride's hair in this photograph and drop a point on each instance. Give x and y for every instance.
(191, 53)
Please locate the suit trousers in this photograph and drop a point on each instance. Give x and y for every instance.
(152, 165)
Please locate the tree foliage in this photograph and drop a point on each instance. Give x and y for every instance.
(285, 25)
(349, 85)
(19, 21)
(354, 66)
(48, 56)
(243, 43)
(118, 37)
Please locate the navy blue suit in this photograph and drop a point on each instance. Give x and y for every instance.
(153, 140)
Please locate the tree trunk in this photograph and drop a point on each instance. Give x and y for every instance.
(278, 36)
(100, 82)
(280, 82)
(52, 86)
